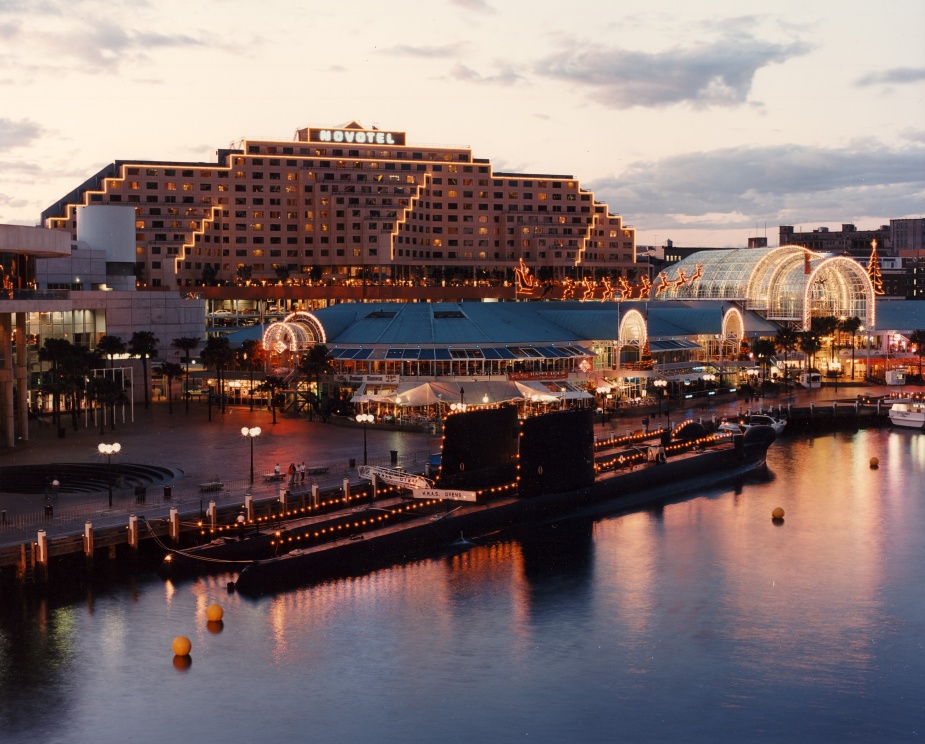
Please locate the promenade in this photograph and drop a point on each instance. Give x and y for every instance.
(202, 451)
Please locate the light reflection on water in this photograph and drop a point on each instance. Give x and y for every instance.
(696, 620)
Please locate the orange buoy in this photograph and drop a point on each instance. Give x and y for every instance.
(778, 513)
(214, 613)
(182, 646)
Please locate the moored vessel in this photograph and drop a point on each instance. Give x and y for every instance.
(518, 471)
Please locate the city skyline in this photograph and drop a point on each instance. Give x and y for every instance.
(704, 126)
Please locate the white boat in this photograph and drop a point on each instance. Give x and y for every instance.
(764, 419)
(910, 415)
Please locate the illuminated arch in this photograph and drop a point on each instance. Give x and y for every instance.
(633, 330)
(733, 331)
(295, 333)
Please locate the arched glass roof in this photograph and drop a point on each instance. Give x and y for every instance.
(787, 283)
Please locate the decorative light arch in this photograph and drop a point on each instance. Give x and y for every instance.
(733, 330)
(633, 330)
(297, 332)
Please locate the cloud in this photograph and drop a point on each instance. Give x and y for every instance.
(15, 134)
(784, 184)
(479, 6)
(506, 75)
(427, 52)
(894, 76)
(720, 73)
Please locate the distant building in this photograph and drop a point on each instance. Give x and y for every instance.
(849, 241)
(908, 236)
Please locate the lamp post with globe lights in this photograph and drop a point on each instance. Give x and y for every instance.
(661, 386)
(365, 418)
(251, 433)
(108, 450)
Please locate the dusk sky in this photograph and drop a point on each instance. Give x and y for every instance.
(701, 122)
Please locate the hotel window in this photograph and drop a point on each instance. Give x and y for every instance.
(170, 186)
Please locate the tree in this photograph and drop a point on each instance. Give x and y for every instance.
(185, 344)
(313, 365)
(74, 368)
(873, 269)
(252, 357)
(271, 385)
(786, 341)
(282, 272)
(851, 326)
(764, 349)
(809, 345)
(109, 393)
(110, 346)
(217, 354)
(143, 345)
(171, 371)
(917, 339)
(245, 271)
(209, 275)
(54, 351)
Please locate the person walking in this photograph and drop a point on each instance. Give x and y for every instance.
(291, 473)
(302, 472)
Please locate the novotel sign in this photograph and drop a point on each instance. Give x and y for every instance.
(357, 136)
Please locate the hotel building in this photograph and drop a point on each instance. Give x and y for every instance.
(351, 213)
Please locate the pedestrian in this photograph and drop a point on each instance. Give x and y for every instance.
(276, 471)
(291, 473)
(302, 471)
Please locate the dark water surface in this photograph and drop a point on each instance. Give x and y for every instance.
(699, 620)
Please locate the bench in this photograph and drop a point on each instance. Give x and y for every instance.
(271, 477)
(316, 470)
(211, 486)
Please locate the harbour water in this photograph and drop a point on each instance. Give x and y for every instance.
(696, 620)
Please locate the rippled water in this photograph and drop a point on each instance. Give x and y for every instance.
(698, 620)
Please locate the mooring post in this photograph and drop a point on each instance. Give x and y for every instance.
(42, 555)
(346, 490)
(88, 539)
(213, 515)
(315, 495)
(174, 520)
(133, 531)
(373, 486)
(283, 500)
(249, 507)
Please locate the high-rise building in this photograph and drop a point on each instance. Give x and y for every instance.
(356, 208)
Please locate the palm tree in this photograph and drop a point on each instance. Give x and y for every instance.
(917, 339)
(764, 349)
(271, 385)
(55, 350)
(74, 369)
(809, 345)
(185, 344)
(851, 326)
(217, 354)
(171, 371)
(252, 357)
(143, 344)
(313, 365)
(786, 341)
(109, 393)
(110, 346)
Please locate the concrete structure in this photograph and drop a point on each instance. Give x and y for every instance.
(356, 208)
(55, 287)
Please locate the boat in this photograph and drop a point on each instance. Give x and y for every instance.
(908, 414)
(497, 471)
(766, 419)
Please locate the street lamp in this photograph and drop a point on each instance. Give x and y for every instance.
(251, 433)
(661, 386)
(109, 450)
(365, 418)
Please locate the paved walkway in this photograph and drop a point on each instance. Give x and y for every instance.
(202, 450)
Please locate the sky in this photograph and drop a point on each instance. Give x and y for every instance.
(705, 123)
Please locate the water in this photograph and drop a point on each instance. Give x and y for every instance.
(697, 620)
